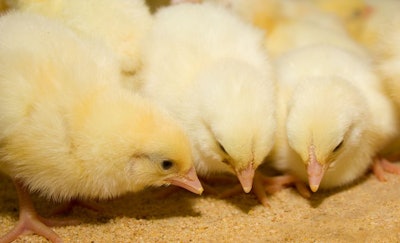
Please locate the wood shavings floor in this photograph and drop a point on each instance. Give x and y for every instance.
(367, 212)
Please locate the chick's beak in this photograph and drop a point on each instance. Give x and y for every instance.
(315, 170)
(368, 11)
(245, 177)
(189, 181)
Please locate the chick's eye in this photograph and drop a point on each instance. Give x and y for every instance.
(357, 13)
(221, 147)
(167, 164)
(338, 146)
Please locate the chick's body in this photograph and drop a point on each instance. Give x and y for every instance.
(209, 69)
(119, 24)
(389, 67)
(333, 116)
(378, 24)
(389, 58)
(67, 129)
(313, 28)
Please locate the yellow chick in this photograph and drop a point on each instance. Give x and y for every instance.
(378, 24)
(389, 67)
(261, 13)
(333, 116)
(68, 130)
(315, 27)
(353, 13)
(267, 14)
(390, 58)
(210, 70)
(119, 24)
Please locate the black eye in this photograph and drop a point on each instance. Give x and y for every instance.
(338, 146)
(222, 148)
(167, 164)
(357, 13)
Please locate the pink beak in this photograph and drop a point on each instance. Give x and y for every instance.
(315, 170)
(190, 182)
(245, 177)
(368, 11)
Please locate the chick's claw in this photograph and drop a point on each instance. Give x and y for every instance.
(31, 222)
(259, 189)
(264, 185)
(382, 165)
(277, 183)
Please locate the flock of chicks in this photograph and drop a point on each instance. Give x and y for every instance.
(100, 97)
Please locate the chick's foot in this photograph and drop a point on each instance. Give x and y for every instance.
(30, 222)
(382, 165)
(263, 185)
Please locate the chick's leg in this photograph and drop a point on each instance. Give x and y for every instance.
(277, 183)
(382, 165)
(30, 221)
(263, 185)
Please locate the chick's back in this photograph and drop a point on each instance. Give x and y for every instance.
(119, 24)
(193, 45)
(40, 61)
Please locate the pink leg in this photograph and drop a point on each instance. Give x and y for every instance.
(259, 189)
(277, 183)
(263, 185)
(231, 192)
(381, 165)
(30, 221)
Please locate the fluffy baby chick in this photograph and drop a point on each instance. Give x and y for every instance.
(210, 70)
(353, 13)
(390, 58)
(68, 130)
(312, 28)
(389, 67)
(262, 13)
(378, 24)
(267, 14)
(333, 116)
(119, 24)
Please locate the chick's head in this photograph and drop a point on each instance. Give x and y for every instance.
(353, 13)
(326, 118)
(237, 114)
(130, 144)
